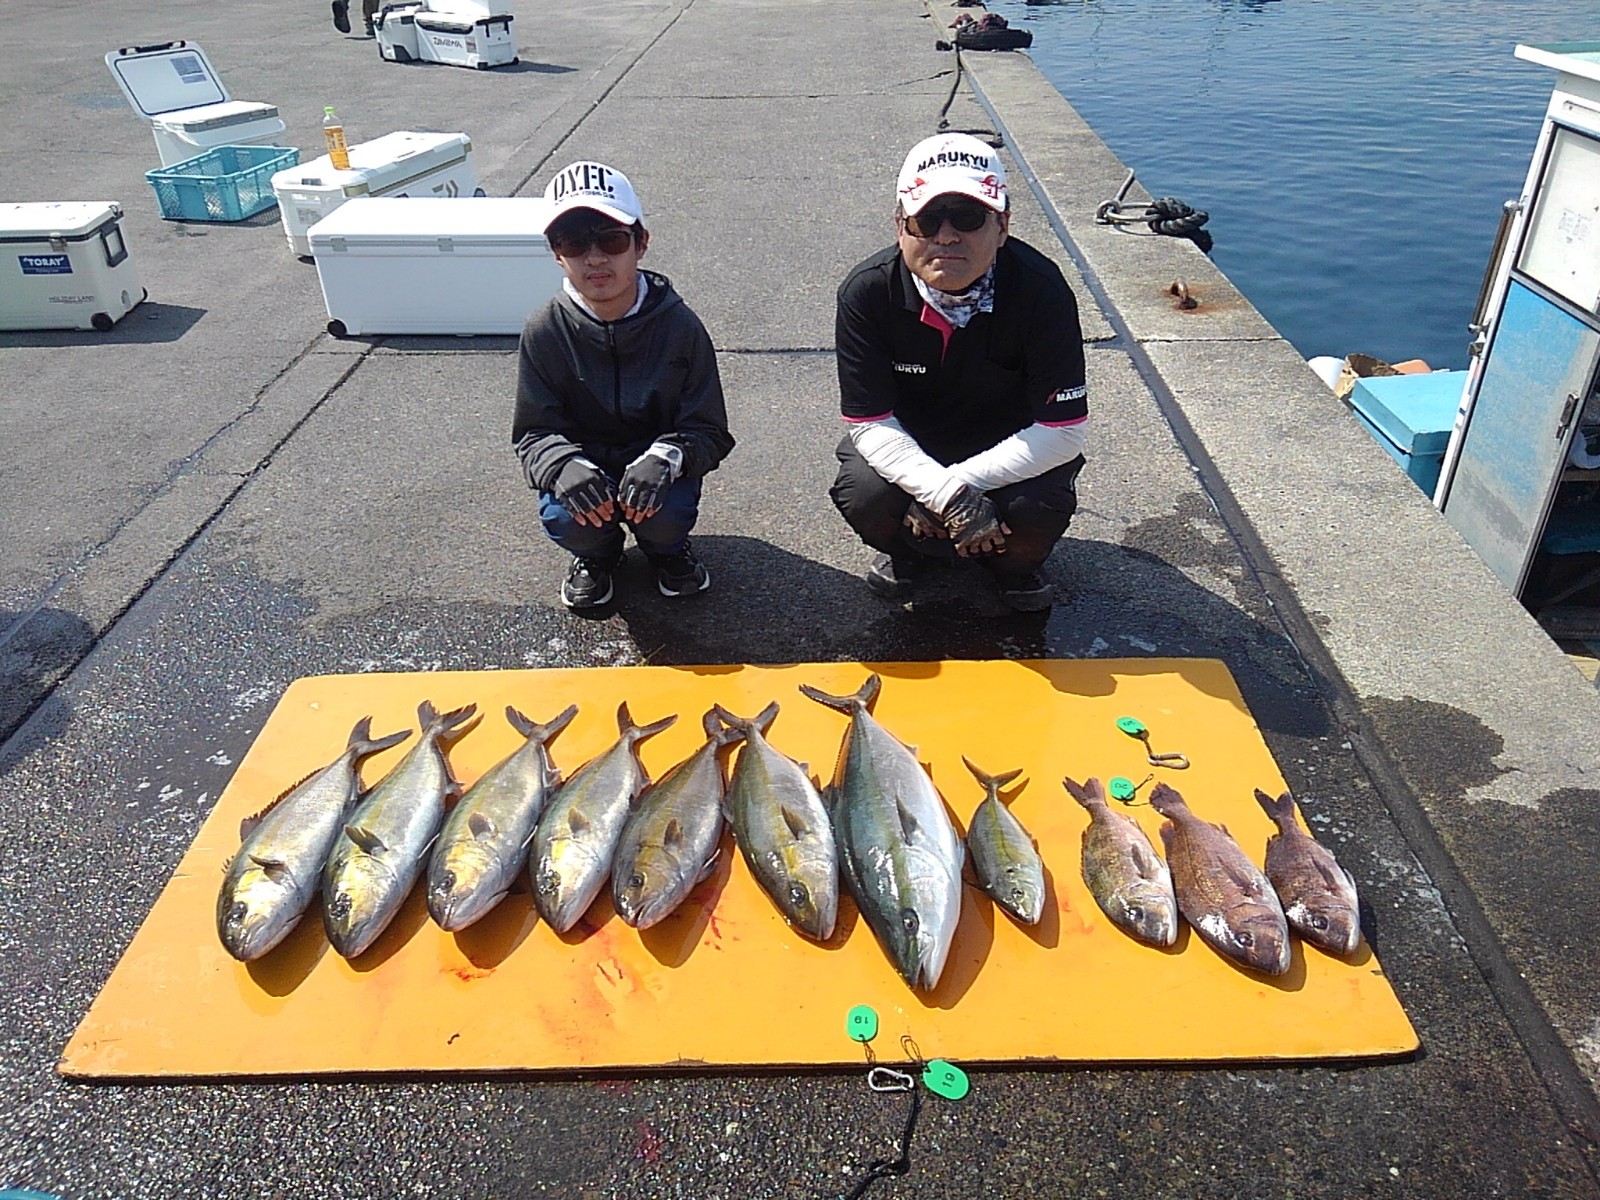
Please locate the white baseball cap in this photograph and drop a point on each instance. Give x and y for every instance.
(952, 163)
(593, 185)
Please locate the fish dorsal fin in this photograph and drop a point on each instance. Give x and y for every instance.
(368, 841)
(908, 822)
(248, 825)
(277, 870)
(577, 822)
(482, 825)
(1145, 860)
(673, 835)
(796, 823)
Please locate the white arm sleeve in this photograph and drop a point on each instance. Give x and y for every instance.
(1023, 455)
(894, 454)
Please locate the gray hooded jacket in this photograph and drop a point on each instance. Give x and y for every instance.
(607, 389)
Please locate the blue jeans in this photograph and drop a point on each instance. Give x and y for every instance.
(664, 533)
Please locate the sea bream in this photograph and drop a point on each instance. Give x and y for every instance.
(268, 885)
(1221, 892)
(1318, 896)
(483, 844)
(576, 838)
(1125, 875)
(783, 829)
(669, 841)
(1004, 857)
(900, 856)
(383, 848)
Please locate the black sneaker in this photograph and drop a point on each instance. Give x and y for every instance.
(341, 15)
(1025, 593)
(893, 578)
(587, 585)
(370, 31)
(680, 574)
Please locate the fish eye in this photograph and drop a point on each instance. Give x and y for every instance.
(447, 881)
(908, 920)
(1016, 893)
(1318, 921)
(549, 883)
(238, 912)
(1246, 938)
(1135, 912)
(340, 908)
(636, 880)
(798, 894)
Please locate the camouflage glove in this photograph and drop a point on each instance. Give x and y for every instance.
(923, 524)
(973, 523)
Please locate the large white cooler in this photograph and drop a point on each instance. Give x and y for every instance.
(403, 164)
(176, 89)
(65, 266)
(465, 39)
(396, 27)
(434, 266)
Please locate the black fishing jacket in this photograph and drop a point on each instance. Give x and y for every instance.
(607, 389)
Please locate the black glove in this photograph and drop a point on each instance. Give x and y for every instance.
(972, 521)
(644, 484)
(581, 487)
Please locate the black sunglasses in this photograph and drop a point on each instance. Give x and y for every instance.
(612, 239)
(968, 216)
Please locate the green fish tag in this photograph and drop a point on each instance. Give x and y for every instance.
(1132, 726)
(945, 1079)
(1122, 788)
(861, 1024)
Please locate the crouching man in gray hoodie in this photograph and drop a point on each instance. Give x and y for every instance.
(619, 405)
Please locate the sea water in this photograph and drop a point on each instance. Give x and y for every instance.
(1354, 155)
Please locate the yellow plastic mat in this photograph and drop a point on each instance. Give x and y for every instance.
(725, 982)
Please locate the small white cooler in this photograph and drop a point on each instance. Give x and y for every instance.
(465, 39)
(396, 27)
(176, 89)
(403, 164)
(434, 266)
(65, 266)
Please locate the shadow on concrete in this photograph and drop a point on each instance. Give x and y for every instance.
(36, 650)
(148, 324)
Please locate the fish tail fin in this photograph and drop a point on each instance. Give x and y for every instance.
(365, 745)
(1280, 810)
(541, 733)
(760, 723)
(990, 783)
(863, 698)
(638, 733)
(443, 725)
(1166, 800)
(1090, 793)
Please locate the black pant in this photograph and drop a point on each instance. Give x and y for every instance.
(1037, 511)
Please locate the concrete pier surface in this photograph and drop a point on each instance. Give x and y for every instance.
(216, 498)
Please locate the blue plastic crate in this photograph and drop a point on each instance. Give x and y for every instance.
(226, 183)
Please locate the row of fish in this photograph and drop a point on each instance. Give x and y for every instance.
(881, 827)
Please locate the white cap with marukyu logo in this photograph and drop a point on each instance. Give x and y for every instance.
(593, 185)
(952, 163)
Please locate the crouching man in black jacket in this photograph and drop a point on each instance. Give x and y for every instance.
(961, 379)
(619, 405)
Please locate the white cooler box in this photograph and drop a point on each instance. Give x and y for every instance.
(176, 89)
(403, 164)
(65, 266)
(396, 27)
(434, 266)
(465, 39)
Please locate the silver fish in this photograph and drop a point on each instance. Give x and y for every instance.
(1318, 896)
(484, 841)
(576, 837)
(1221, 892)
(1124, 873)
(1004, 857)
(268, 885)
(669, 841)
(382, 849)
(900, 855)
(783, 829)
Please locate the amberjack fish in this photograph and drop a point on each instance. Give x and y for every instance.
(782, 828)
(1221, 892)
(483, 843)
(383, 847)
(576, 837)
(1004, 857)
(268, 885)
(1124, 873)
(669, 841)
(900, 855)
(1318, 896)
